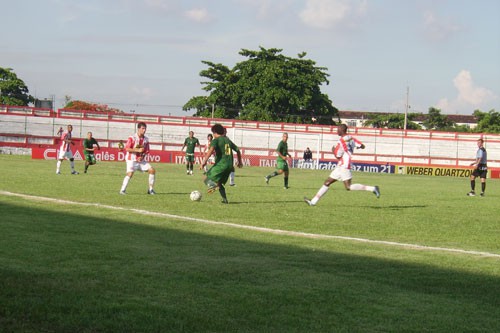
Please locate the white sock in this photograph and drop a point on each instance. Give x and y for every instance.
(125, 183)
(360, 187)
(72, 163)
(151, 181)
(320, 193)
(231, 178)
(58, 166)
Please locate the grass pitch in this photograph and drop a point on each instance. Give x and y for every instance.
(96, 261)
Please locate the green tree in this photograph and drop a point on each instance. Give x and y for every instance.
(392, 120)
(436, 121)
(487, 122)
(13, 91)
(268, 86)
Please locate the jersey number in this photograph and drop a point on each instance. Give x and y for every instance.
(227, 149)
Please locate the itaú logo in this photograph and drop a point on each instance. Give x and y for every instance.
(50, 154)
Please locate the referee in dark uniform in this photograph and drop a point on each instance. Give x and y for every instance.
(480, 171)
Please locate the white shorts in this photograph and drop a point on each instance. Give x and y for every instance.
(134, 166)
(65, 154)
(341, 174)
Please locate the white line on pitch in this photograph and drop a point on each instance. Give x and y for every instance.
(259, 229)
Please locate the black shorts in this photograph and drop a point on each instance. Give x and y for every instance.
(481, 171)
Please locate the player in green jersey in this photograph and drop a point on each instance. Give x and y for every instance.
(281, 161)
(190, 143)
(218, 174)
(88, 150)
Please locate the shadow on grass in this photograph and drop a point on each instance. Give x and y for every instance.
(398, 207)
(77, 270)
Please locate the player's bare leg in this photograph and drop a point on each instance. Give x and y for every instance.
(321, 192)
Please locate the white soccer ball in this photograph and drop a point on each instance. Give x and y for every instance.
(195, 196)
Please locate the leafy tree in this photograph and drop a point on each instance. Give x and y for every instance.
(487, 122)
(13, 91)
(436, 121)
(268, 86)
(392, 120)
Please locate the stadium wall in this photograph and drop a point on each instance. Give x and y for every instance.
(389, 151)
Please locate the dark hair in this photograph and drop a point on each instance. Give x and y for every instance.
(141, 124)
(210, 135)
(219, 129)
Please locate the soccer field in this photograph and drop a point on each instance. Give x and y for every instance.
(77, 256)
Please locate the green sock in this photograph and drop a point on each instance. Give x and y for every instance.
(222, 191)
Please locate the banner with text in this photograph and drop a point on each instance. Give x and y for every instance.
(434, 171)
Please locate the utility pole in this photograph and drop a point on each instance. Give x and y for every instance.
(407, 107)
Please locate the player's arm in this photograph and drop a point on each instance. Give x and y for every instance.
(207, 156)
(478, 158)
(240, 163)
(476, 162)
(97, 144)
(146, 148)
(359, 144)
(129, 147)
(280, 154)
(85, 146)
(67, 140)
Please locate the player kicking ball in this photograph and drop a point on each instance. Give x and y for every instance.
(342, 172)
(218, 174)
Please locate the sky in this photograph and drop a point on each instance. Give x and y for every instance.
(145, 56)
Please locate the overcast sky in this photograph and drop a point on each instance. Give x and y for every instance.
(145, 55)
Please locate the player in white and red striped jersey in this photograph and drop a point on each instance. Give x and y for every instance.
(137, 148)
(343, 151)
(65, 151)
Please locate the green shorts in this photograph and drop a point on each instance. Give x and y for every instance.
(190, 157)
(282, 165)
(219, 173)
(90, 158)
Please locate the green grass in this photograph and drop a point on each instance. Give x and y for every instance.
(83, 268)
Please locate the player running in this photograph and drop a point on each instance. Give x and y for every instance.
(89, 149)
(343, 151)
(281, 161)
(65, 151)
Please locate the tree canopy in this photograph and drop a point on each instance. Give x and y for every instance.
(437, 121)
(268, 86)
(392, 120)
(13, 91)
(487, 122)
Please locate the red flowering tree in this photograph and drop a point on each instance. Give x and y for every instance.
(86, 106)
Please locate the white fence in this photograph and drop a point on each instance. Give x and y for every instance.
(382, 146)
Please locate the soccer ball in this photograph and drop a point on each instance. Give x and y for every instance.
(195, 196)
